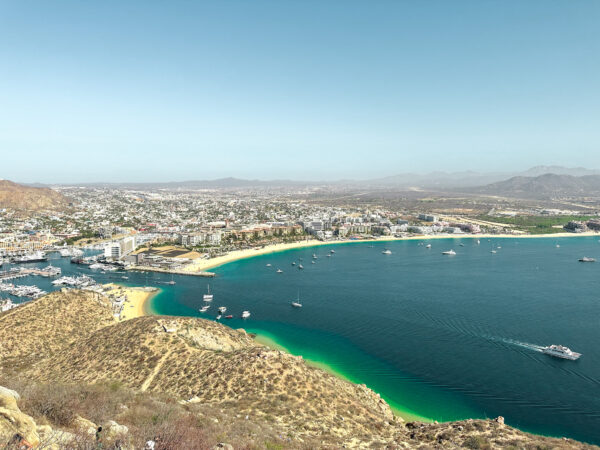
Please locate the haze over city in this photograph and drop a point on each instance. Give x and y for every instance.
(311, 90)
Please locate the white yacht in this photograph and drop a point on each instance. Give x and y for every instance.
(449, 252)
(204, 308)
(561, 352)
(300, 266)
(269, 265)
(245, 314)
(279, 271)
(222, 309)
(332, 251)
(208, 297)
(428, 246)
(387, 251)
(587, 259)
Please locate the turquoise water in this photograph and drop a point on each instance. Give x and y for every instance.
(441, 337)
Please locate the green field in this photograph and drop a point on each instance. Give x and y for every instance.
(536, 224)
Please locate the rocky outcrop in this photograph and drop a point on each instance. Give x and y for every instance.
(13, 422)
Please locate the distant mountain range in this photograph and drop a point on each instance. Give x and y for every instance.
(548, 185)
(539, 181)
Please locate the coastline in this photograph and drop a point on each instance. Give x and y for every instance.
(138, 300)
(268, 340)
(200, 266)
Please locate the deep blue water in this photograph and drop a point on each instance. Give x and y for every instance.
(444, 337)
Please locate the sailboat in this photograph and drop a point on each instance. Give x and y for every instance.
(208, 297)
(297, 303)
(172, 282)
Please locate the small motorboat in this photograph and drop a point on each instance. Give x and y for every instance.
(269, 265)
(204, 309)
(245, 314)
(279, 271)
(294, 263)
(449, 252)
(300, 266)
(428, 246)
(229, 316)
(313, 262)
(297, 305)
(586, 259)
(387, 251)
(218, 317)
(222, 309)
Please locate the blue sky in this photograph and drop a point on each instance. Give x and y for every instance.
(175, 90)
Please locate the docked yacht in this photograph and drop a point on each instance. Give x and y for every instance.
(560, 351)
(449, 252)
(208, 297)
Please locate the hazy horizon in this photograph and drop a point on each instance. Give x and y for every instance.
(151, 91)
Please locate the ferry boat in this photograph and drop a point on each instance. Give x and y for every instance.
(449, 252)
(387, 251)
(30, 258)
(208, 297)
(560, 351)
(245, 314)
(586, 259)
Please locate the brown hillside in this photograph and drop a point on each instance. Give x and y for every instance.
(42, 328)
(24, 198)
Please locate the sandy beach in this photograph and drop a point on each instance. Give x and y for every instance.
(135, 304)
(202, 265)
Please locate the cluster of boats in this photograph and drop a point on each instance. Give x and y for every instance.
(299, 265)
(208, 297)
(81, 281)
(70, 252)
(32, 292)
